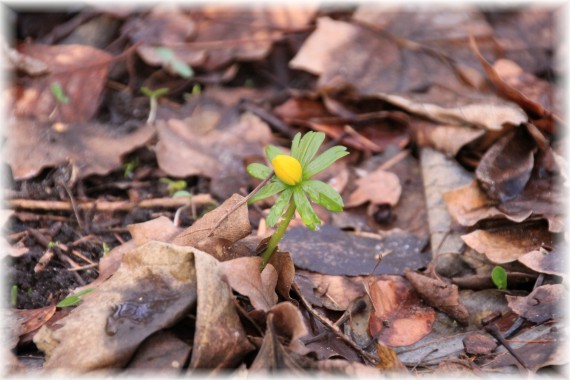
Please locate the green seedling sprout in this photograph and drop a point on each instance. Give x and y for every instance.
(175, 188)
(130, 167)
(106, 249)
(499, 277)
(60, 97)
(14, 295)
(153, 95)
(73, 299)
(291, 179)
(177, 65)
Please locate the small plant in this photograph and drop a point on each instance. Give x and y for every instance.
(130, 167)
(58, 93)
(14, 295)
(73, 299)
(293, 181)
(106, 249)
(175, 188)
(153, 95)
(173, 62)
(499, 277)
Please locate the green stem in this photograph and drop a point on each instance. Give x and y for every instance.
(277, 235)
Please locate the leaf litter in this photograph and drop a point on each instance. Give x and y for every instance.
(399, 282)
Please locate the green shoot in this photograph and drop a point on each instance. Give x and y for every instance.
(499, 277)
(74, 299)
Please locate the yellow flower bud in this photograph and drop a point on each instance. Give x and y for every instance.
(287, 169)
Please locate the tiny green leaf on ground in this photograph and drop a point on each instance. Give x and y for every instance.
(74, 299)
(499, 276)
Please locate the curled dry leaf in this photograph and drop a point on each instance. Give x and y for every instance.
(378, 187)
(442, 296)
(504, 245)
(153, 288)
(505, 169)
(213, 146)
(35, 318)
(161, 353)
(545, 261)
(243, 276)
(448, 139)
(283, 264)
(288, 322)
(92, 148)
(219, 340)
(159, 229)
(543, 304)
(399, 317)
(80, 70)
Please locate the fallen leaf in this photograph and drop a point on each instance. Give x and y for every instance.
(213, 146)
(351, 369)
(504, 245)
(283, 264)
(161, 353)
(159, 229)
(235, 227)
(243, 276)
(505, 169)
(399, 317)
(546, 261)
(33, 319)
(288, 322)
(479, 344)
(483, 304)
(333, 251)
(153, 288)
(442, 296)
(80, 70)
(92, 148)
(542, 304)
(219, 340)
(389, 361)
(378, 187)
(448, 139)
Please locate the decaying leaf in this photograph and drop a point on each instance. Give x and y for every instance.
(543, 304)
(285, 268)
(448, 139)
(153, 288)
(212, 145)
(288, 321)
(505, 169)
(378, 187)
(81, 71)
(92, 148)
(545, 261)
(507, 244)
(399, 317)
(159, 229)
(440, 295)
(161, 353)
(479, 344)
(219, 340)
(243, 276)
(33, 319)
(333, 251)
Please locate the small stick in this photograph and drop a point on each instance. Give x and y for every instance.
(494, 331)
(240, 203)
(325, 321)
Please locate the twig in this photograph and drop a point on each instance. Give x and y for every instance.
(494, 331)
(240, 203)
(325, 321)
(99, 205)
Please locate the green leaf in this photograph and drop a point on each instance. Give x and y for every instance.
(147, 91)
(14, 295)
(279, 207)
(268, 190)
(271, 151)
(182, 68)
(323, 161)
(164, 53)
(499, 277)
(181, 193)
(57, 92)
(295, 146)
(309, 216)
(309, 145)
(259, 171)
(323, 194)
(160, 91)
(73, 299)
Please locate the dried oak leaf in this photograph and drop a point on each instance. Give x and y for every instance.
(399, 318)
(378, 187)
(504, 245)
(92, 148)
(442, 296)
(154, 287)
(80, 70)
(212, 145)
(243, 276)
(543, 304)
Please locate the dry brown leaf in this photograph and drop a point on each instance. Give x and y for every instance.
(440, 295)
(504, 245)
(244, 277)
(285, 268)
(92, 148)
(479, 344)
(219, 340)
(33, 319)
(213, 146)
(288, 322)
(80, 70)
(543, 304)
(160, 229)
(448, 139)
(378, 187)
(351, 369)
(154, 287)
(162, 353)
(545, 261)
(399, 317)
(235, 227)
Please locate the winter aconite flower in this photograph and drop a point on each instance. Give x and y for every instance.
(293, 181)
